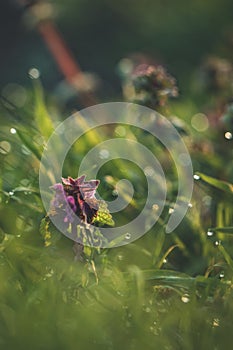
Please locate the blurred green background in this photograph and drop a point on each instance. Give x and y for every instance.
(178, 34)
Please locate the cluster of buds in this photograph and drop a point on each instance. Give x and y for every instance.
(150, 85)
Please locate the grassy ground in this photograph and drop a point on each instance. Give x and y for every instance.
(160, 292)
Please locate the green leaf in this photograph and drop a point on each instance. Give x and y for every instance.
(220, 184)
(5, 241)
(43, 119)
(158, 274)
(103, 216)
(26, 189)
(226, 256)
(222, 229)
(26, 139)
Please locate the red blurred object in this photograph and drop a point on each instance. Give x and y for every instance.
(40, 14)
(59, 50)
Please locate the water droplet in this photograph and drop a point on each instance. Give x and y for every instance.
(125, 66)
(5, 147)
(228, 135)
(11, 193)
(15, 94)
(155, 207)
(13, 131)
(104, 154)
(196, 177)
(217, 243)
(115, 193)
(164, 261)
(18, 236)
(215, 322)
(200, 122)
(154, 330)
(171, 210)
(190, 205)
(34, 73)
(221, 275)
(127, 236)
(210, 233)
(120, 257)
(120, 131)
(50, 273)
(185, 298)
(149, 171)
(25, 150)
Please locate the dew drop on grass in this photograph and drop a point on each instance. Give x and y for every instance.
(11, 193)
(120, 131)
(5, 147)
(127, 236)
(104, 154)
(217, 243)
(120, 257)
(221, 275)
(196, 177)
(25, 150)
(13, 131)
(49, 273)
(190, 205)
(228, 135)
(149, 171)
(153, 330)
(171, 210)
(34, 73)
(155, 207)
(210, 233)
(185, 298)
(215, 322)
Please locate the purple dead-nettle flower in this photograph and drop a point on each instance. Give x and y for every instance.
(76, 197)
(59, 197)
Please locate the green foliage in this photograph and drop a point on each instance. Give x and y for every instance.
(162, 291)
(221, 185)
(103, 216)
